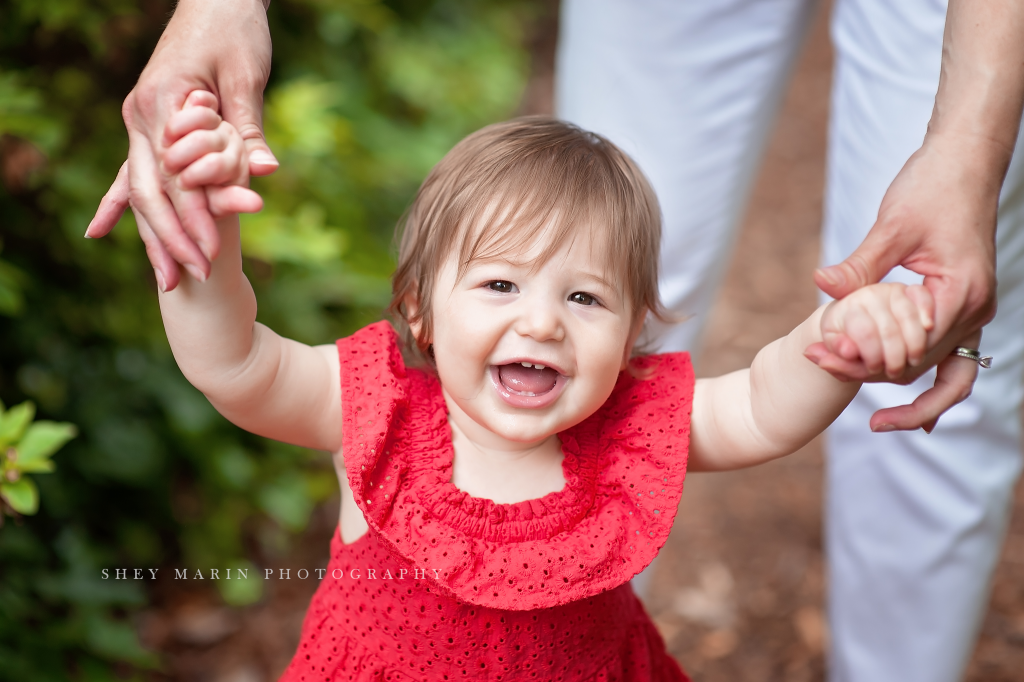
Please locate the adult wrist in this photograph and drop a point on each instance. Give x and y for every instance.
(976, 156)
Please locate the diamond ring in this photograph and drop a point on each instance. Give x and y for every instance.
(972, 354)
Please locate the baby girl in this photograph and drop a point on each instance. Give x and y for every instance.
(499, 491)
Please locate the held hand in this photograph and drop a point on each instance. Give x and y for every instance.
(192, 54)
(882, 328)
(937, 219)
(206, 155)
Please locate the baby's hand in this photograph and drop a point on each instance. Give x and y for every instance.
(203, 150)
(883, 325)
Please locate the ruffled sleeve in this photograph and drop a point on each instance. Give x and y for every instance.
(624, 468)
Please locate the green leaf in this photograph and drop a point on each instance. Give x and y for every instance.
(39, 466)
(22, 495)
(43, 439)
(14, 421)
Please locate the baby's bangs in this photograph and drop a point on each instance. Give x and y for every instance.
(556, 195)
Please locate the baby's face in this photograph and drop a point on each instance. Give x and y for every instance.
(523, 353)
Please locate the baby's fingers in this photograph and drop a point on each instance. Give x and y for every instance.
(839, 367)
(925, 302)
(212, 169)
(201, 98)
(911, 324)
(183, 122)
(863, 329)
(193, 147)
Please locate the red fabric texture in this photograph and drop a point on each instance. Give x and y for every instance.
(466, 588)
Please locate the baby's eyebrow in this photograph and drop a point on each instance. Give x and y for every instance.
(599, 279)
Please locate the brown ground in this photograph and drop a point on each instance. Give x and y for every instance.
(739, 592)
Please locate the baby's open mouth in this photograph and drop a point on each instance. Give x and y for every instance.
(526, 378)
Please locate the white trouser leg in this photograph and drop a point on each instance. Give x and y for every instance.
(689, 90)
(914, 522)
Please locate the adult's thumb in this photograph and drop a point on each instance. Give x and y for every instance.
(869, 263)
(246, 114)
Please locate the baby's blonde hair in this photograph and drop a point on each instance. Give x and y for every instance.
(497, 189)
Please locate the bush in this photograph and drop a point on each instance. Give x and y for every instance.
(365, 97)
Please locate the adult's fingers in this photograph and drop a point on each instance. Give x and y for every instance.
(233, 199)
(881, 251)
(197, 224)
(164, 267)
(242, 107)
(147, 198)
(954, 379)
(112, 206)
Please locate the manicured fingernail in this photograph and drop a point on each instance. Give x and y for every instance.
(195, 272)
(884, 428)
(87, 235)
(833, 275)
(160, 281)
(204, 246)
(263, 158)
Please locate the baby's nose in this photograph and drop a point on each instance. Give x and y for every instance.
(541, 321)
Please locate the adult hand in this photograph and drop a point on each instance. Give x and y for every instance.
(937, 219)
(939, 216)
(221, 46)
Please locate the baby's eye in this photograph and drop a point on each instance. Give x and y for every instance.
(582, 298)
(502, 287)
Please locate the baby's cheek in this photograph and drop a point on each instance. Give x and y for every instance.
(599, 381)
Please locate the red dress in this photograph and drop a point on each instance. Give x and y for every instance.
(445, 586)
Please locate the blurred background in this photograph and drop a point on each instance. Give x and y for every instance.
(365, 96)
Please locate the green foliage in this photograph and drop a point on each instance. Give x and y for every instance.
(365, 96)
(26, 448)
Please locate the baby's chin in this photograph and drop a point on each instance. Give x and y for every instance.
(529, 426)
(513, 426)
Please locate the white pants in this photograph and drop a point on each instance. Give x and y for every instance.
(914, 522)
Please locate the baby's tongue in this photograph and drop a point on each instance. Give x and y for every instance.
(527, 379)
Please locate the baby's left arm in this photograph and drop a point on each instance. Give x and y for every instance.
(784, 400)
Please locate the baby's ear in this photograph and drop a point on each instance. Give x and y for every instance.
(634, 334)
(410, 308)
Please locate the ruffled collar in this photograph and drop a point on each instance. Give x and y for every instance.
(624, 469)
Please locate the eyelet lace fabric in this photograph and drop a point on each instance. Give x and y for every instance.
(447, 586)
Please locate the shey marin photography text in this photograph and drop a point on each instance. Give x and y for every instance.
(269, 573)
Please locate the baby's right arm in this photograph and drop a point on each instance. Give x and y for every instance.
(266, 384)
